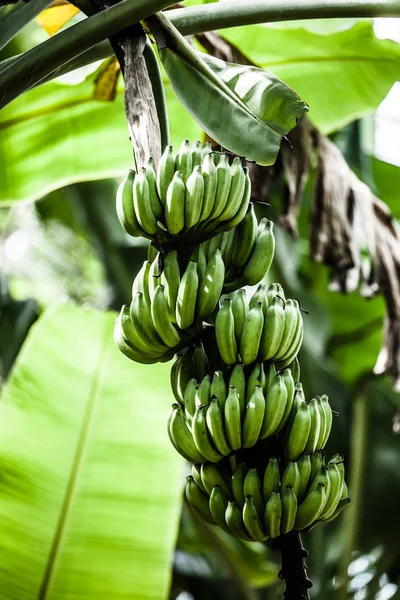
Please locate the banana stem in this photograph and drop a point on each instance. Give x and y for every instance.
(294, 569)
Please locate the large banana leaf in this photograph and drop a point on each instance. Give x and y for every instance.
(342, 76)
(90, 486)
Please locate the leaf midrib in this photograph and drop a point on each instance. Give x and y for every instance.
(80, 452)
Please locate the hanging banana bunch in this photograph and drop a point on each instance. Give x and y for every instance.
(235, 376)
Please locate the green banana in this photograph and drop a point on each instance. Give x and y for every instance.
(175, 204)
(275, 404)
(295, 368)
(253, 419)
(200, 362)
(309, 510)
(225, 333)
(174, 379)
(252, 487)
(228, 238)
(253, 380)
(201, 436)
(232, 419)
(289, 329)
(224, 179)
(274, 325)
(125, 207)
(203, 392)
(153, 280)
(260, 295)
(183, 160)
(142, 203)
(270, 374)
(206, 149)
(189, 397)
(214, 243)
(197, 157)
(209, 173)
(299, 433)
(238, 477)
(218, 504)
(238, 380)
(304, 466)
(211, 287)
(129, 341)
(251, 334)
(328, 419)
(234, 520)
(140, 283)
(271, 480)
(185, 371)
(218, 389)
(143, 324)
(291, 476)
(237, 186)
(334, 496)
(252, 521)
(171, 278)
(261, 258)
(315, 428)
(289, 384)
(273, 515)
(321, 478)
(165, 173)
(196, 474)
(289, 509)
(239, 309)
(342, 504)
(151, 176)
(317, 462)
(198, 500)
(215, 427)
(246, 233)
(181, 438)
(160, 316)
(187, 295)
(234, 221)
(210, 477)
(275, 289)
(194, 198)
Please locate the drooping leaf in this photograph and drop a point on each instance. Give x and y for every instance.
(342, 76)
(90, 486)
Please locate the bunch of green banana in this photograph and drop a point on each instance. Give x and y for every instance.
(308, 426)
(269, 328)
(256, 508)
(194, 193)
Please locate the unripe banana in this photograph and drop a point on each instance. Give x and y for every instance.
(206, 149)
(174, 378)
(198, 500)
(183, 160)
(171, 278)
(211, 287)
(275, 289)
(234, 520)
(275, 404)
(260, 259)
(246, 233)
(189, 398)
(253, 379)
(315, 428)
(304, 466)
(252, 521)
(125, 208)
(335, 491)
(200, 362)
(214, 243)
(142, 203)
(251, 334)
(238, 380)
(295, 368)
(299, 433)
(225, 333)
(317, 462)
(197, 157)
(260, 295)
(342, 504)
(295, 346)
(218, 504)
(165, 173)
(153, 279)
(215, 427)
(181, 438)
(187, 295)
(194, 198)
(238, 477)
(289, 509)
(274, 325)
(273, 515)
(239, 309)
(196, 474)
(289, 329)
(232, 419)
(159, 313)
(237, 186)
(203, 392)
(156, 205)
(252, 487)
(185, 371)
(253, 418)
(224, 178)
(209, 173)
(271, 481)
(129, 341)
(309, 510)
(228, 239)
(141, 282)
(226, 225)
(218, 389)
(321, 477)
(328, 419)
(201, 436)
(291, 476)
(270, 374)
(289, 384)
(175, 204)
(143, 324)
(210, 477)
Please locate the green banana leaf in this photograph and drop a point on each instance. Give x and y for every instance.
(90, 485)
(342, 75)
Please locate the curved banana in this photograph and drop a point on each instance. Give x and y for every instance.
(260, 295)
(210, 477)
(309, 510)
(253, 418)
(239, 309)
(246, 233)
(171, 279)
(187, 295)
(232, 419)
(251, 334)
(200, 362)
(333, 499)
(289, 509)
(130, 343)
(260, 259)
(197, 157)
(275, 404)
(237, 187)
(165, 173)
(194, 198)
(209, 173)
(215, 427)
(317, 462)
(224, 179)
(290, 389)
(252, 521)
(189, 398)
(218, 389)
(273, 515)
(253, 379)
(291, 476)
(218, 504)
(225, 333)
(175, 204)
(160, 315)
(304, 466)
(234, 520)
(201, 436)
(125, 207)
(252, 487)
(238, 380)
(143, 323)
(198, 500)
(196, 474)
(181, 438)
(313, 437)
(151, 177)
(238, 477)
(211, 287)
(271, 482)
(274, 325)
(299, 433)
(289, 330)
(183, 160)
(328, 419)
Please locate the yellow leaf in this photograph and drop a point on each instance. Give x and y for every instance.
(55, 17)
(107, 79)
